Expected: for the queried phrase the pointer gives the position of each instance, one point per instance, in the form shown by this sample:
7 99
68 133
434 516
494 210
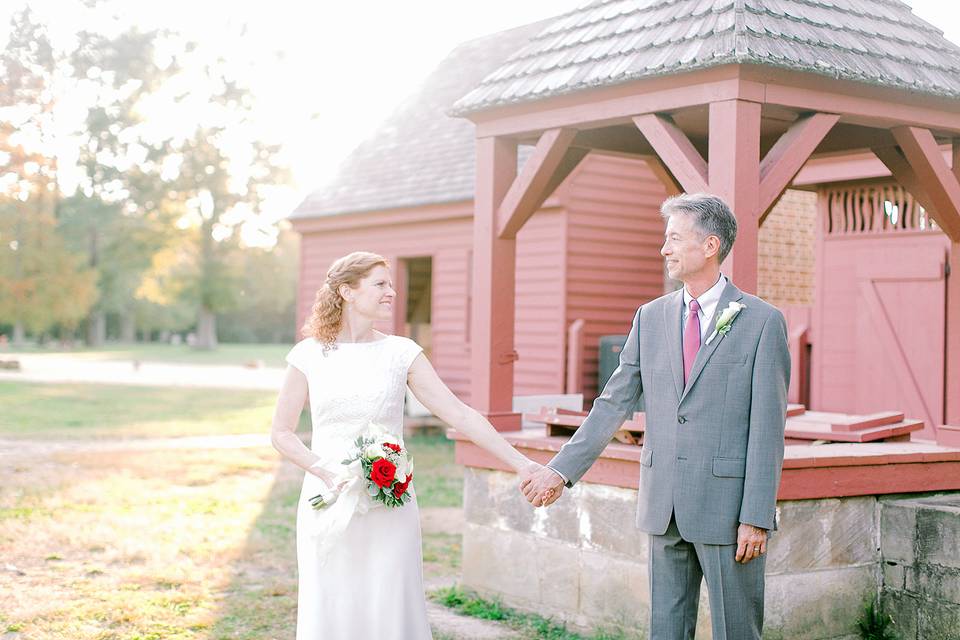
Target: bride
360 571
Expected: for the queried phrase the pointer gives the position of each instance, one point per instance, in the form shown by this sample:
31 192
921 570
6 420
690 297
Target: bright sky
326 73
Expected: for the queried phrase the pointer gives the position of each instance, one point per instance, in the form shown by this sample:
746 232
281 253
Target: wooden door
879 321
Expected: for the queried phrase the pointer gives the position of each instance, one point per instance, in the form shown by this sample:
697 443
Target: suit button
682 419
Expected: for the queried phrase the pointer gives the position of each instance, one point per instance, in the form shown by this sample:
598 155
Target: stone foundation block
796 607
938 621
902 607
823 534
898 527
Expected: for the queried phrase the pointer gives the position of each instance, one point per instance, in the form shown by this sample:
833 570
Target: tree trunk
96 328
128 328
206 330
19 335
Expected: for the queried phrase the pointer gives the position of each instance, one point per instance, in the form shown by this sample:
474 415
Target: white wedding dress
364 580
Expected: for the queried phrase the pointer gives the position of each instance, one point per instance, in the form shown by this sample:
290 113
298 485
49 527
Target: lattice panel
874 209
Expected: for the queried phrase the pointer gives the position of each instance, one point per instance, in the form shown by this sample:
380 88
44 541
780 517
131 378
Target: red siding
613 254
539 313
449 244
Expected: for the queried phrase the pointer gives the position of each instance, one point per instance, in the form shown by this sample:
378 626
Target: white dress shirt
708 304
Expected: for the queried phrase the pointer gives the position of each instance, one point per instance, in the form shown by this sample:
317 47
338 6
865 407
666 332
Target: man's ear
711 246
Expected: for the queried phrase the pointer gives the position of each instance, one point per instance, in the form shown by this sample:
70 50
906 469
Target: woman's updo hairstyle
325 320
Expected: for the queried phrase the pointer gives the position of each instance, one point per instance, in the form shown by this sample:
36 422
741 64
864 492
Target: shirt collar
709 297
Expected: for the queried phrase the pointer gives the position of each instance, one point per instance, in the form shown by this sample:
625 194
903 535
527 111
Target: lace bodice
353 385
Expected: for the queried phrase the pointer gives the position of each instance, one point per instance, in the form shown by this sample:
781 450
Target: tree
266 308
118 220
219 191
42 284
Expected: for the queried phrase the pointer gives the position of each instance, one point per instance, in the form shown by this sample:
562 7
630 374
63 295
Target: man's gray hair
711 216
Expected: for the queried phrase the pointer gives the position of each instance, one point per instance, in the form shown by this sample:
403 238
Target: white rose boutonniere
726 319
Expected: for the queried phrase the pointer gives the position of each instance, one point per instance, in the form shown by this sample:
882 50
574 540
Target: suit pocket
729 467
726 358
646 457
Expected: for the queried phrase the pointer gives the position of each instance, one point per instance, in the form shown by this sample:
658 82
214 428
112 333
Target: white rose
403 467
373 451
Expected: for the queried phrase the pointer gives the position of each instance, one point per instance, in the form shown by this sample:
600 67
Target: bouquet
385 468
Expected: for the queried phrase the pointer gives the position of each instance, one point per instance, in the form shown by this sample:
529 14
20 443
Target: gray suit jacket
712 450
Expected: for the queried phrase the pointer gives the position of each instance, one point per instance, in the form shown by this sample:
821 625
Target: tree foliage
151 234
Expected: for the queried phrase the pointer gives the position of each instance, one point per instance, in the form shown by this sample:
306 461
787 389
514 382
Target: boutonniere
725 321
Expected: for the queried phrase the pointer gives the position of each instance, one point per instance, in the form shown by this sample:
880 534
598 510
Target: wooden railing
874 209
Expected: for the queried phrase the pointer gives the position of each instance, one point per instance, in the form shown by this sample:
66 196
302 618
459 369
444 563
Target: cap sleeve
301 354
408 352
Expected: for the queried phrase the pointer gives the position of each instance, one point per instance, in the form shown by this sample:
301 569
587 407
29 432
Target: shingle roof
606 42
419 154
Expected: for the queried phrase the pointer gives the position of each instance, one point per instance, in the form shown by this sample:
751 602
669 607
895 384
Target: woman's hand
330 479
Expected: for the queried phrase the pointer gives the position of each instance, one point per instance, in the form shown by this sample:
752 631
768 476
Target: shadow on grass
260 599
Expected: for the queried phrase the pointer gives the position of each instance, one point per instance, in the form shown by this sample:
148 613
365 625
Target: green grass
438 479
530 626
89 410
272 355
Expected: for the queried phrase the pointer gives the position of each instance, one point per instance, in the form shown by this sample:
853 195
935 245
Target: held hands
751 543
540 485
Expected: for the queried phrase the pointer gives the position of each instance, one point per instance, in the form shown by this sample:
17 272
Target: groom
715 410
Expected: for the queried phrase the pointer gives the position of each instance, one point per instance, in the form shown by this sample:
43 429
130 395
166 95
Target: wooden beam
942 187
903 173
494 285
788 155
617 104
735 177
529 189
623 139
675 150
668 180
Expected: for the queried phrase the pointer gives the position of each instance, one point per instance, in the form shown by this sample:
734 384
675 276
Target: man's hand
541 486
751 542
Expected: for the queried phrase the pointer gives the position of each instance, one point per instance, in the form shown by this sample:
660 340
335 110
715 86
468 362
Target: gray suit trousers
675 571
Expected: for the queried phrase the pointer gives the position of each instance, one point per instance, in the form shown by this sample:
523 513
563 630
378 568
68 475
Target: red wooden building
616 107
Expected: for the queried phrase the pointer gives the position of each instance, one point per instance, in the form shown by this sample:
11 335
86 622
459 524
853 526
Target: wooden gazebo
731 97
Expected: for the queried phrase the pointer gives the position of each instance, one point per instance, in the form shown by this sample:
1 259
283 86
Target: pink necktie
691 339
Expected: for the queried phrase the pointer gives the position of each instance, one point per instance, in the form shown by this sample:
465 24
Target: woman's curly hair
326 317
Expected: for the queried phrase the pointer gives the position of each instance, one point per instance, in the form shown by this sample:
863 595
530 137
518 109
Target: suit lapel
672 316
730 294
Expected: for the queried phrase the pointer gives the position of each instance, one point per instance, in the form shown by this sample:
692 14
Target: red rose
383 472
401 487
393 447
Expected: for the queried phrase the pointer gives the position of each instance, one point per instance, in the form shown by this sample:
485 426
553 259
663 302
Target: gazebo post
494 280
734 175
952 381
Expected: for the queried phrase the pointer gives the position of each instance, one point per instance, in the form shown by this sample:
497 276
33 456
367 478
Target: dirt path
46 368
